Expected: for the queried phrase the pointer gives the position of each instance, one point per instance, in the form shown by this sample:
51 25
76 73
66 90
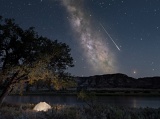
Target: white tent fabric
42 106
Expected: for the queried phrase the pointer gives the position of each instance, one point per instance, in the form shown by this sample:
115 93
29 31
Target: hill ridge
118 80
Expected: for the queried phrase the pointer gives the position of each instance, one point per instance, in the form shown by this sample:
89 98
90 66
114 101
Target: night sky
105 36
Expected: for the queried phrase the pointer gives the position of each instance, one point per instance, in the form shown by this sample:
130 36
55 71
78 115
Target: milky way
93 43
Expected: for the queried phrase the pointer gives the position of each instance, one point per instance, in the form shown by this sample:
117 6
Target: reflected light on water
130 101
134 103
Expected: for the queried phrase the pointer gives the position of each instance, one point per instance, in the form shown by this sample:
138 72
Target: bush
74 112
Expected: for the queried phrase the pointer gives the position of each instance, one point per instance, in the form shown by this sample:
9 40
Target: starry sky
105 36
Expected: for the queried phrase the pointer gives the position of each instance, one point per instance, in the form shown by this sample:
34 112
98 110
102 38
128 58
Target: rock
42 106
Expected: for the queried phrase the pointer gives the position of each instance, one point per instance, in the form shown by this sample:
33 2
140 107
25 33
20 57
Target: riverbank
100 92
22 111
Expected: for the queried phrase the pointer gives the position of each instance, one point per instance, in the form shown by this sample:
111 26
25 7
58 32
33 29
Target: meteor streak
110 37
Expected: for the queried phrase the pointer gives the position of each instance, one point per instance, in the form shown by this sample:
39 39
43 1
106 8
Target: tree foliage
26 55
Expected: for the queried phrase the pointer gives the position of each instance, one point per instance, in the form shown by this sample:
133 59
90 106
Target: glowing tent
42 106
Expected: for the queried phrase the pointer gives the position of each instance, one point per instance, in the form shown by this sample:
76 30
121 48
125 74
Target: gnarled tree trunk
7 88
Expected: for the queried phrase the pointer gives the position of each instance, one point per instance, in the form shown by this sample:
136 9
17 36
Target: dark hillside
118 81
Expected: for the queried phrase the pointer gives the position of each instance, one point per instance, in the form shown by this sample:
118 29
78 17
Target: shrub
74 112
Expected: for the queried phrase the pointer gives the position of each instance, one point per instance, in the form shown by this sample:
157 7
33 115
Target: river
129 101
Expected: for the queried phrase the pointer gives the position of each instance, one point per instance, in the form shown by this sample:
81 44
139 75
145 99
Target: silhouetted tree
26 56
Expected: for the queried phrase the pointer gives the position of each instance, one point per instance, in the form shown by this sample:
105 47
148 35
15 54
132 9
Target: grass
25 111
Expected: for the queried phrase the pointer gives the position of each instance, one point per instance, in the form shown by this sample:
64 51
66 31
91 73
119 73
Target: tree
26 56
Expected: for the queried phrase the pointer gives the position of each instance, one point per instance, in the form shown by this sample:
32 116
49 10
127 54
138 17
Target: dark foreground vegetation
73 112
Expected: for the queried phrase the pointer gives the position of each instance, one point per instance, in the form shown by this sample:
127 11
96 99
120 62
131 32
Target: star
135 28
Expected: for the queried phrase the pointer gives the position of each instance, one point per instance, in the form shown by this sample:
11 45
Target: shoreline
137 92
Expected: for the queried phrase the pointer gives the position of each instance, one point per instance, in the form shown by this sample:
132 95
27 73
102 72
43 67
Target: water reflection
131 101
134 103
